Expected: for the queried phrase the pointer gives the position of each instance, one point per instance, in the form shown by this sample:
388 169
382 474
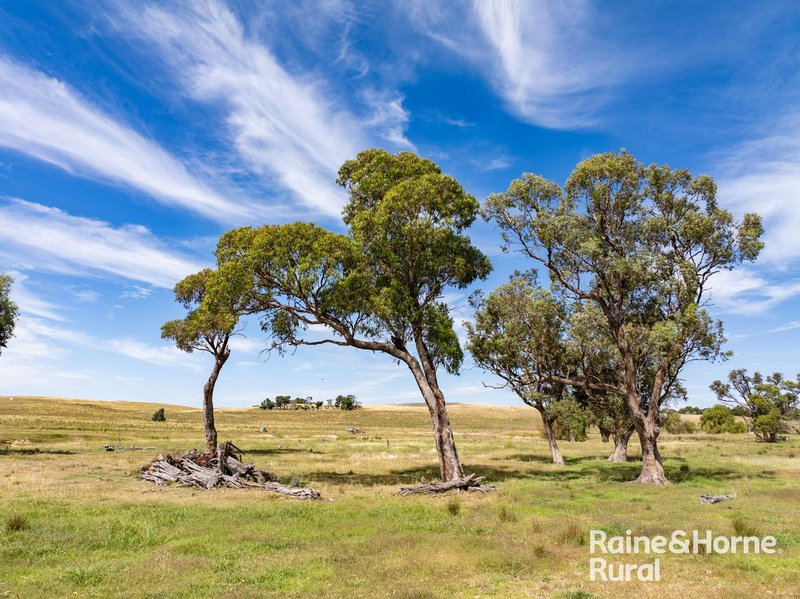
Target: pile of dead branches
224 468
468 483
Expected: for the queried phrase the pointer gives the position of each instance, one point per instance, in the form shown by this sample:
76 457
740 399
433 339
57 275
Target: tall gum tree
377 288
641 243
210 323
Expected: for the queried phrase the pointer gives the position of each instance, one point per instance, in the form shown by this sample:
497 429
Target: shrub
267 404
16 522
453 506
675 425
720 419
571 420
159 415
769 426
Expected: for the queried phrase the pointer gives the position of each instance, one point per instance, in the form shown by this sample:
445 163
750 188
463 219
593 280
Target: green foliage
571 420
766 403
638 244
267 404
159 415
720 419
382 283
8 311
346 402
209 322
693 410
672 422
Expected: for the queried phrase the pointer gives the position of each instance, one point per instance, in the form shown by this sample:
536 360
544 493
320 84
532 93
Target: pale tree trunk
208 401
551 439
652 468
449 464
620 453
646 424
425 376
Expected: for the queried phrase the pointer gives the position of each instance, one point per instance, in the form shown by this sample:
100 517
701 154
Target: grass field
75 521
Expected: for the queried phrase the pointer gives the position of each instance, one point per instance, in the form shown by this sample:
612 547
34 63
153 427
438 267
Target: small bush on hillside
159 415
267 404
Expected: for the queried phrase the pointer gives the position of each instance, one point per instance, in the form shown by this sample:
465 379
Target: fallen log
468 483
704 499
223 468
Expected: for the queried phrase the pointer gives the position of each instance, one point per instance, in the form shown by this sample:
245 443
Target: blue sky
132 134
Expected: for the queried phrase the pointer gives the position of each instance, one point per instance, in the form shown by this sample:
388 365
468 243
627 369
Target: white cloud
136 292
543 58
282 125
49 239
746 291
30 334
30 303
44 118
763 176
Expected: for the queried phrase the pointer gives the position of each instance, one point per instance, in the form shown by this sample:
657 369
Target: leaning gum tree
380 286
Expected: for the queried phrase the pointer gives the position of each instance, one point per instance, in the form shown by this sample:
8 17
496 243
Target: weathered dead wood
468 483
222 468
715 498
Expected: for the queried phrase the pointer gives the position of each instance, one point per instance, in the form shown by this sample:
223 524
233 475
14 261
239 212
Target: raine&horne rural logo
602 569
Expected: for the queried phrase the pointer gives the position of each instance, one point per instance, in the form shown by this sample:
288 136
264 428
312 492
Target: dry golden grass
92 529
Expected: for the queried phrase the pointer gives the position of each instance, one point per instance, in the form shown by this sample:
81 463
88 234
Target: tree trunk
652 469
551 440
646 423
620 453
449 464
208 402
424 372
605 435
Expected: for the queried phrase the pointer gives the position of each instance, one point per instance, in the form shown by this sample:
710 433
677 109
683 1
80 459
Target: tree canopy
379 287
766 403
8 311
641 244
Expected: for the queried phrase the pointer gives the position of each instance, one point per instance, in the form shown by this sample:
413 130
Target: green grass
78 522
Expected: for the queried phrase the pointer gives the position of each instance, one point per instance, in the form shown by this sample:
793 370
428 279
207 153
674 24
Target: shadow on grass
546 459
628 471
582 468
273 451
34 451
411 476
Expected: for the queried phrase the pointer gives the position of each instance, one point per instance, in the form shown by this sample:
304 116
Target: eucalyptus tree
640 244
767 403
517 336
8 311
208 326
380 286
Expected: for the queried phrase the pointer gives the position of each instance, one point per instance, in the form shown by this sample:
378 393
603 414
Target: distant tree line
285 402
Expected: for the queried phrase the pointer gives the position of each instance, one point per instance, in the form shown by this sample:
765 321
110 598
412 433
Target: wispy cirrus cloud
763 175
541 57
286 127
46 119
49 239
